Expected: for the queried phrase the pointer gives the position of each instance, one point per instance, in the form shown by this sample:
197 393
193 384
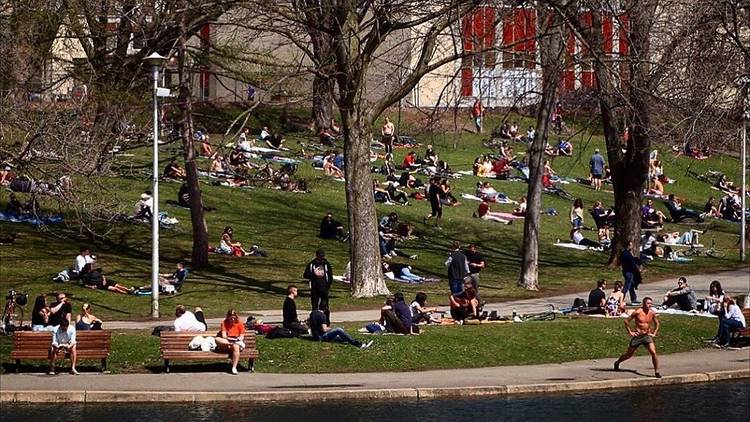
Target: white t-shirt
81 262
577 237
188 322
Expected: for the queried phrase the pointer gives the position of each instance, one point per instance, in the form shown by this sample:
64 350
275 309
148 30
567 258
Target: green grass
285 224
442 347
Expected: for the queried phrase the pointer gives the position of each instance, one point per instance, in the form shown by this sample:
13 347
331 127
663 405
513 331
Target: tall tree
552 47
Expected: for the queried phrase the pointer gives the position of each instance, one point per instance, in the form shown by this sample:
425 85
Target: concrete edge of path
358 394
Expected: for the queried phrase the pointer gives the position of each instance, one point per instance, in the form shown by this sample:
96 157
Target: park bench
35 345
174 346
738 333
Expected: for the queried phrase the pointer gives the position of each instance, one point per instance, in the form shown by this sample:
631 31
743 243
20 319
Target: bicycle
13 312
540 316
712 252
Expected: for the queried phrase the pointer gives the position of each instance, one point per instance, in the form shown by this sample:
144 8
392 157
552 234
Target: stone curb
359 394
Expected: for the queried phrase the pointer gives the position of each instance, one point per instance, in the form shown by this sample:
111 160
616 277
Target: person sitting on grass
190 322
397 195
733 318
143 209
420 312
174 171
655 187
713 302
228 246
396 315
615 305
289 311
63 342
321 331
485 191
86 320
329 168
332 229
682 295
679 213
380 195
711 209
94 279
597 299
410 161
564 148
400 272
231 338
464 305
176 278
520 210
650 216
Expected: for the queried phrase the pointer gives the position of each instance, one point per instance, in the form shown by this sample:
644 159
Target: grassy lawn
286 224
442 347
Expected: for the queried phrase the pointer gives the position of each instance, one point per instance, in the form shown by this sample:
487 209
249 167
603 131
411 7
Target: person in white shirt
733 318
188 321
63 341
83 258
264 134
143 207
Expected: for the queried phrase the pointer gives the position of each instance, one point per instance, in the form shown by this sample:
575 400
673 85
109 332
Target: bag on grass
279 332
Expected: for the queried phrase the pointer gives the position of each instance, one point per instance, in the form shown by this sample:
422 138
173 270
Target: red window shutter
519 29
607 33
624 45
568 80
488 39
466 31
587 79
530 44
508 25
467 81
586 22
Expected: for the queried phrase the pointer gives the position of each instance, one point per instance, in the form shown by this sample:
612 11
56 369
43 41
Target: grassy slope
285 224
450 347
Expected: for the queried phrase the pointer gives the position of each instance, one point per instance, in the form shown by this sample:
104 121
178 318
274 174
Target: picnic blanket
499 199
31 219
693 313
570 245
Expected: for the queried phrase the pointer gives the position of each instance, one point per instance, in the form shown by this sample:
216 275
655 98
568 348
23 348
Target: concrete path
735 282
697 366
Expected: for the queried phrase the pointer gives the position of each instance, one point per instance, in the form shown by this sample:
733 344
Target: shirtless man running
642 335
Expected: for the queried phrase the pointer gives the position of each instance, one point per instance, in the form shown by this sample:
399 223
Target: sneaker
413 256
73 371
366 345
635 302
51 372
716 345
617 366
234 371
657 375
387 257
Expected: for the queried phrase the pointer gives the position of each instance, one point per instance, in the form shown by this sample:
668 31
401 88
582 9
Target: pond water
725 401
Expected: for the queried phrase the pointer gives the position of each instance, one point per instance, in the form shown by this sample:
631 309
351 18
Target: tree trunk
551 48
199 256
364 249
322 102
630 171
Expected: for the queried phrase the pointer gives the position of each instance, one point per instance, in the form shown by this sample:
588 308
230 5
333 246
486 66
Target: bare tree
551 45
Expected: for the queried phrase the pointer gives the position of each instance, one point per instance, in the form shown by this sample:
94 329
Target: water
725 401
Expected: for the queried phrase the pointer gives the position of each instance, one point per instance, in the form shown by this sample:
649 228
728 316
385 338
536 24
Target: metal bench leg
104 364
251 365
18 365
166 365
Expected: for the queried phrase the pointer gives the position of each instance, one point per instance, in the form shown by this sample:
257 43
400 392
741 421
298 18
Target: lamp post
743 82
155 60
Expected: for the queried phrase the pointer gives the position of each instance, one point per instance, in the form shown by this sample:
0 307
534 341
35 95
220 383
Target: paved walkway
697 366
735 281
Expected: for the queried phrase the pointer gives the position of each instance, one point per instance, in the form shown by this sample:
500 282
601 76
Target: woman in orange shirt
231 337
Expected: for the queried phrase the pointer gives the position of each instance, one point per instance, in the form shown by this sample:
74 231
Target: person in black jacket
332 229
631 272
291 320
320 275
458 268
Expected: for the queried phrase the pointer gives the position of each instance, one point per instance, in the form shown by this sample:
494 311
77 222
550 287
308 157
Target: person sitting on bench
63 341
190 322
682 295
231 338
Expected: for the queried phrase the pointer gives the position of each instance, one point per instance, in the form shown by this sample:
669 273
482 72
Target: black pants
200 318
318 298
437 209
682 302
388 142
393 323
296 328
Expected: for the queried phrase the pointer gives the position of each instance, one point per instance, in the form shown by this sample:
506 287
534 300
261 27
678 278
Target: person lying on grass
464 305
395 271
94 279
321 331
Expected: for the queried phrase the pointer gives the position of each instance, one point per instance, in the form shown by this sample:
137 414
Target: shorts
596 176
642 339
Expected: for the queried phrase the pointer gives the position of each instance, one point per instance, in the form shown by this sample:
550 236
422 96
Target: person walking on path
458 268
320 275
291 320
596 168
631 272
434 192
643 334
387 132
477 111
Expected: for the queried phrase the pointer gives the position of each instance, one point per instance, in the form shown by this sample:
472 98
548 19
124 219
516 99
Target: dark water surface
721 401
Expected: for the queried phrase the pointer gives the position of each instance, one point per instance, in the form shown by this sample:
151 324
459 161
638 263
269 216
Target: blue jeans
629 286
725 325
338 334
456 285
406 274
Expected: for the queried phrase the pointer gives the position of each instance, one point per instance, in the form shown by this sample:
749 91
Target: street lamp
744 83
155 60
